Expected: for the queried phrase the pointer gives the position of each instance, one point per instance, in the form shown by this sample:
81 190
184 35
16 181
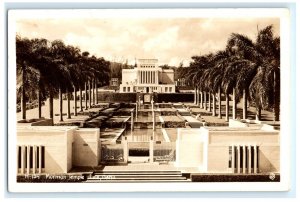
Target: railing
164 151
112 153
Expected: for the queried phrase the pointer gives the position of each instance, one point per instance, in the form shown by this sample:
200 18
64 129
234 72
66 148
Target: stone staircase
137 176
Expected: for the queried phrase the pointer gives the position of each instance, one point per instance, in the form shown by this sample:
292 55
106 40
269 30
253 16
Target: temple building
147 77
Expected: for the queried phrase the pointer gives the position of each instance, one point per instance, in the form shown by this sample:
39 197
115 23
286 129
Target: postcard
122 100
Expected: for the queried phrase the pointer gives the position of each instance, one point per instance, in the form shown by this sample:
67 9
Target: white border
152 187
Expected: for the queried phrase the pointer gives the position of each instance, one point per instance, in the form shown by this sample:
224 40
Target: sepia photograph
116 98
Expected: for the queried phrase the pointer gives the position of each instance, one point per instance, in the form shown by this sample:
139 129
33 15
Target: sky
170 40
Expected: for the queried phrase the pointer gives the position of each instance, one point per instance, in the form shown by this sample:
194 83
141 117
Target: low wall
85 147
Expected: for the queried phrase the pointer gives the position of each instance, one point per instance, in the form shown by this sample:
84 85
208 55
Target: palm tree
265 86
258 69
60 53
24 71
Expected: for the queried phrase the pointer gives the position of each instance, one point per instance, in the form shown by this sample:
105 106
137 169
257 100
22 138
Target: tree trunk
201 100
233 104
51 104
23 95
209 102
80 99
220 103
94 92
68 103
276 96
75 101
198 96
39 103
227 108
85 96
90 95
195 96
60 105
244 104
214 104
258 114
96 88
205 100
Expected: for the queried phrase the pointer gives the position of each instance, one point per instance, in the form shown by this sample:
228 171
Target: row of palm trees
247 70
49 69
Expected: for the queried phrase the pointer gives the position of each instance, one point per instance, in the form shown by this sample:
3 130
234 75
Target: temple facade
147 77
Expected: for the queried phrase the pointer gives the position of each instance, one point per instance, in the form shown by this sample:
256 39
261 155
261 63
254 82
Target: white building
147 77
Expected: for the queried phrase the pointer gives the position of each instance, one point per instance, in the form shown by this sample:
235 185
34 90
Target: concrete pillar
34 159
28 159
141 76
151 152
249 159
232 158
238 159
23 159
147 77
18 157
125 149
244 159
40 159
255 159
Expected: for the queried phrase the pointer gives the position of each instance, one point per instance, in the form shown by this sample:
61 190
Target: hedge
132 97
175 97
116 97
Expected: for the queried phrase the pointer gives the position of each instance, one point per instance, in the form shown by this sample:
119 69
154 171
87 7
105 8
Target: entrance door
147 90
